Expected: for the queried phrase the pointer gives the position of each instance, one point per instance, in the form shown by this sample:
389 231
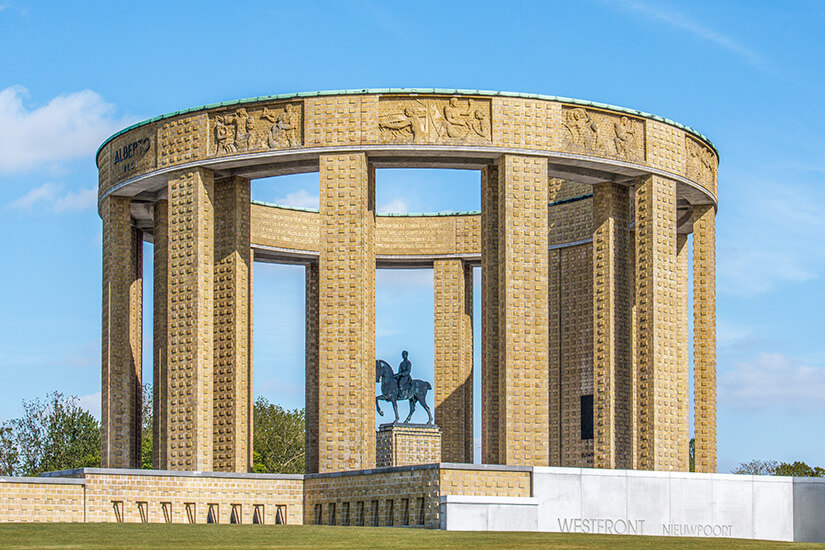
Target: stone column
190 323
346 397
683 357
121 396
453 334
232 374
522 310
490 383
704 336
160 379
612 359
656 312
311 386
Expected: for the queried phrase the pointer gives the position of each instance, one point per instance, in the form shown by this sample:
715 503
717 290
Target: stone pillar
704 336
490 383
311 386
522 310
453 311
612 359
346 398
656 311
683 357
232 371
160 379
121 396
190 324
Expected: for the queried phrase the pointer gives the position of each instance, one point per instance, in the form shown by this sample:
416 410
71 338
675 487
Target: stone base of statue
407 444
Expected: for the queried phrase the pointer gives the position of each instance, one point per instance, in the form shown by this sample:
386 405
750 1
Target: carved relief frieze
242 130
701 163
435 120
603 134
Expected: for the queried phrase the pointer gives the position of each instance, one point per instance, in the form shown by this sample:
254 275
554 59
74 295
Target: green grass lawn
158 537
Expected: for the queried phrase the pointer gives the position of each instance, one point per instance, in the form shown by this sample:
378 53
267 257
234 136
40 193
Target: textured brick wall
683 357
160 304
394 235
522 304
453 346
347 314
122 336
382 496
285 228
311 387
490 382
572 325
472 482
612 360
657 347
232 374
570 307
26 500
526 123
407 444
704 336
341 120
190 320
103 490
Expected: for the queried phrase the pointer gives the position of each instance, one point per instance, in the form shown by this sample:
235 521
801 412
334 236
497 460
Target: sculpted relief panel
244 130
434 120
603 134
701 162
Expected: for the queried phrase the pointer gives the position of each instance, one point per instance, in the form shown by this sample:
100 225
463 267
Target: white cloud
68 126
729 334
773 380
776 238
51 197
685 23
74 202
91 403
299 199
395 206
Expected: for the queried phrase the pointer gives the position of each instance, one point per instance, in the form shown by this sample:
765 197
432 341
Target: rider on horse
402 377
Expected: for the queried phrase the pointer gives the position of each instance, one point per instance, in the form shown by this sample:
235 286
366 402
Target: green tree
8 452
278 442
146 439
54 434
774 468
798 469
756 468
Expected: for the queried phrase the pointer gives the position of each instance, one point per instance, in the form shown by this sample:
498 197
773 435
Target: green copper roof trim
572 199
389 215
274 205
443 91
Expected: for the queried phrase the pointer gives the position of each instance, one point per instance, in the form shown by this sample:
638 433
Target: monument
582 240
587 212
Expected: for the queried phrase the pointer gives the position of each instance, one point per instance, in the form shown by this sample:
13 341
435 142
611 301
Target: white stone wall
651 503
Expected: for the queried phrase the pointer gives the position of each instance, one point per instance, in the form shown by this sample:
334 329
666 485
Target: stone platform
467 497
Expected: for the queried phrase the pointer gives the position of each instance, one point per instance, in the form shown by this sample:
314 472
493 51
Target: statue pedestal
407 444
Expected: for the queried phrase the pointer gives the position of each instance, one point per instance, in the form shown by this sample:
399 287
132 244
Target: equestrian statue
400 386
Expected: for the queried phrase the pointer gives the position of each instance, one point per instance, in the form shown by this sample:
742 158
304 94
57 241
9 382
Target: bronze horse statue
416 392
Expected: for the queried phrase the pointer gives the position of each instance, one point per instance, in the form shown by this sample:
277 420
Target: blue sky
747 74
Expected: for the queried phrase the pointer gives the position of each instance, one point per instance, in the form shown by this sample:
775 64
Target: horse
389 391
